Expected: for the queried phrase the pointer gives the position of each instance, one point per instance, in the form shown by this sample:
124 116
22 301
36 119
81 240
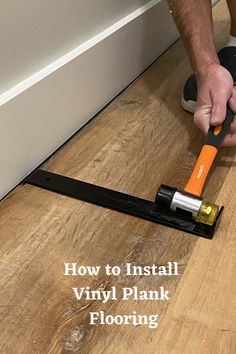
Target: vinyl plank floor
140 140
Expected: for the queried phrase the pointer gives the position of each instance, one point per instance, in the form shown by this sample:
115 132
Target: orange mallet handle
214 139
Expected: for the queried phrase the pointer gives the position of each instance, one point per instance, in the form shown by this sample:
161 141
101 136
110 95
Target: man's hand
215 84
215 89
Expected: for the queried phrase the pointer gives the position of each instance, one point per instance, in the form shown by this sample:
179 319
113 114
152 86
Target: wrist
209 67
202 53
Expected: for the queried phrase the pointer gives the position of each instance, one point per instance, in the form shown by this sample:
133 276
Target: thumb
202 117
218 113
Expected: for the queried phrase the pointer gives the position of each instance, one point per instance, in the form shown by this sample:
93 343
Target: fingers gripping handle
214 139
216 135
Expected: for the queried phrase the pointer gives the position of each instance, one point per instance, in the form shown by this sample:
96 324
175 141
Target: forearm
194 21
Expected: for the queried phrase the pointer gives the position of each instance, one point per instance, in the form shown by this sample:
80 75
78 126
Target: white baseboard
39 114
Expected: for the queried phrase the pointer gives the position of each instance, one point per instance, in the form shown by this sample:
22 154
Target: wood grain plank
202 316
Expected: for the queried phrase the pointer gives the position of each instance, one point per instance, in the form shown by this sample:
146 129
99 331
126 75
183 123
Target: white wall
34 33
63 61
